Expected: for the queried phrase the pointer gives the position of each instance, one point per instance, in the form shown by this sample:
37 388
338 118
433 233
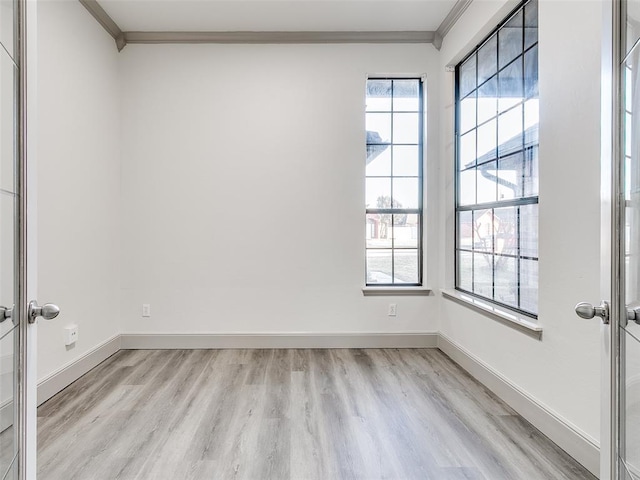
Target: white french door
18 314
625 429
13 329
620 445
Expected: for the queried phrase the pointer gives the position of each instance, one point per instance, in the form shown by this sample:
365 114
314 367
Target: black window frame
491 206
402 211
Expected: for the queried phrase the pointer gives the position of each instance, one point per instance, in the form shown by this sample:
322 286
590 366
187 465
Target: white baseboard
142 341
571 439
66 375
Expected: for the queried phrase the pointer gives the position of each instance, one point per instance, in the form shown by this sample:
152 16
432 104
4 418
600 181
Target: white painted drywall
78 181
243 188
562 371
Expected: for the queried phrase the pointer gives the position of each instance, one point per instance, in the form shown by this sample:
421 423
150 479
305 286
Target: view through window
394 116
497 165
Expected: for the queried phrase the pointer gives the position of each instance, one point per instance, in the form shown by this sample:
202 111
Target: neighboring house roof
513 145
375 146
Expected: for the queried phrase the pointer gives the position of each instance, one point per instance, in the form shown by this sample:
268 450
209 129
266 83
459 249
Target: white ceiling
270 15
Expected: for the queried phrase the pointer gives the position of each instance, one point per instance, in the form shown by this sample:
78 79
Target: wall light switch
146 310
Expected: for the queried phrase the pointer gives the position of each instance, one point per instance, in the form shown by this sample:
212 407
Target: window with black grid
394 128
497 165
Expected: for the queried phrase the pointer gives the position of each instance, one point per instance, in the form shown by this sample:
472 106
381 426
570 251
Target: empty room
319 240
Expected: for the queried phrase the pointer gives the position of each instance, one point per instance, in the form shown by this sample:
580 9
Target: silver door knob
5 313
586 310
633 312
48 311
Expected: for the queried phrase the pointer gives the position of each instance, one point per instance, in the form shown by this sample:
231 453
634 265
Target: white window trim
503 315
387 291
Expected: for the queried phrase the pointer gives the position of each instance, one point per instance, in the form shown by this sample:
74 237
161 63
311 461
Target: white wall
78 181
243 188
562 371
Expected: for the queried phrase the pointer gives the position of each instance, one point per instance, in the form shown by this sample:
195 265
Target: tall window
497 165
394 181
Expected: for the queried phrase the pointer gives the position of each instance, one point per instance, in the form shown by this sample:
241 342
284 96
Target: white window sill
503 315
370 291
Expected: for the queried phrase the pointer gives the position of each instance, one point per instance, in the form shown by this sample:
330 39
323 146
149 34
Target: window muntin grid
394 125
497 165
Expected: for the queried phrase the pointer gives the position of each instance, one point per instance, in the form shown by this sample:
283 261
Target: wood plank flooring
288 414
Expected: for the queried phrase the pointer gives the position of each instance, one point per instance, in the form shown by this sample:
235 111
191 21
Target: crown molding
266 37
103 18
279 37
450 20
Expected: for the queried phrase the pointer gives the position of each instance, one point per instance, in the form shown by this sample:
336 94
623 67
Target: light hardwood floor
288 414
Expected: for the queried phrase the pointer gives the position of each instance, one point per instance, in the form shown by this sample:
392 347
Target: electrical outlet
146 310
70 334
392 310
